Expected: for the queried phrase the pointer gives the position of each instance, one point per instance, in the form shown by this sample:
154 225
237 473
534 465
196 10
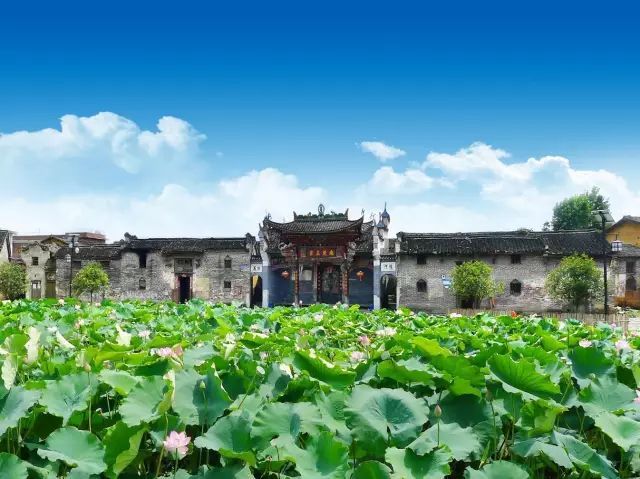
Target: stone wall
157 281
531 272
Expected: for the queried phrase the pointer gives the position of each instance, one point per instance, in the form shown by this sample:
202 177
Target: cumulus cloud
102 136
381 150
387 180
233 207
529 188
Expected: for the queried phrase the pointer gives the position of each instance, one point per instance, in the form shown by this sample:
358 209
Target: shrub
472 282
91 279
577 280
13 281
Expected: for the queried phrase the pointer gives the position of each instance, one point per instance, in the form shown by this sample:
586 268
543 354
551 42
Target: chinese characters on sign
387 267
323 252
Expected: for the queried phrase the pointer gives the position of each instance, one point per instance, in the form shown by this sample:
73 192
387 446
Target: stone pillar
266 280
376 283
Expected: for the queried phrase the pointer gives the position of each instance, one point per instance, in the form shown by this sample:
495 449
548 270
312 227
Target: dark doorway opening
388 292
256 291
184 288
330 283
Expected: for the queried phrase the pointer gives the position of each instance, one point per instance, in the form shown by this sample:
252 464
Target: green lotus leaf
607 396
326 372
406 372
539 417
588 361
583 456
462 442
196 404
332 412
429 347
623 431
381 417
11 467
231 437
285 419
323 458
146 402
371 470
78 449
466 411
407 464
14 406
121 381
498 470
536 447
122 444
521 377
69 394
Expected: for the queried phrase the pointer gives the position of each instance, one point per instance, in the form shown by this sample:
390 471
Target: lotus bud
437 411
488 396
592 376
87 368
202 385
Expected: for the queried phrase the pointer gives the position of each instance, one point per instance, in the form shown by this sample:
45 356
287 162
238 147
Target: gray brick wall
531 272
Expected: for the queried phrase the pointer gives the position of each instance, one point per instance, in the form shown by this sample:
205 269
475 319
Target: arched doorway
388 292
256 290
631 284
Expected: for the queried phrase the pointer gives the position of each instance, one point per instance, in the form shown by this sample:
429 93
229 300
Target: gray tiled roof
320 225
504 242
195 245
93 252
628 251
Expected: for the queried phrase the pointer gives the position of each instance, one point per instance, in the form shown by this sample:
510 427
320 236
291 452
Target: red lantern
360 275
285 274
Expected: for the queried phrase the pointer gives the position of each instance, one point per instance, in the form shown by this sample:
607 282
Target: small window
421 286
494 260
227 263
421 259
631 267
142 283
459 263
35 260
76 265
516 259
105 264
515 287
142 259
227 285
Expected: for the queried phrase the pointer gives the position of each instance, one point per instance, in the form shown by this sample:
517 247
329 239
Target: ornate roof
320 223
504 242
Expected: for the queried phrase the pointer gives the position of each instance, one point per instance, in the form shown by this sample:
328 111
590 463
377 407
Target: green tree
90 279
576 281
472 282
576 212
13 281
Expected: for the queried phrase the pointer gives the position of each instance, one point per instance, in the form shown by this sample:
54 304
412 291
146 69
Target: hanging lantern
360 275
285 274
616 246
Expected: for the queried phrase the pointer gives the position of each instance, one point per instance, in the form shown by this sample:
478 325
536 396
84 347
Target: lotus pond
145 390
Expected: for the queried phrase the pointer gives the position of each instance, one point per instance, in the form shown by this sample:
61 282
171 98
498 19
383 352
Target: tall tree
576 212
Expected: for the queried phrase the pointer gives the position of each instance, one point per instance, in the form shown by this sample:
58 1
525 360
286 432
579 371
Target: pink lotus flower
637 398
621 344
364 340
585 343
357 356
167 352
144 334
177 443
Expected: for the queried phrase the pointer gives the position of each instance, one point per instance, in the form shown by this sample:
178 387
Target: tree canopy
472 282
576 281
576 212
13 281
90 279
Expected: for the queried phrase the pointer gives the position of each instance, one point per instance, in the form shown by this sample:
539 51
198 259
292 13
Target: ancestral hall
326 257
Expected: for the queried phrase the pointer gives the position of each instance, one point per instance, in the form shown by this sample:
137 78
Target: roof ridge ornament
321 209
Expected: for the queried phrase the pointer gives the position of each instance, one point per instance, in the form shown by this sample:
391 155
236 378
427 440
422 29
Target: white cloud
102 136
381 150
387 180
234 207
529 189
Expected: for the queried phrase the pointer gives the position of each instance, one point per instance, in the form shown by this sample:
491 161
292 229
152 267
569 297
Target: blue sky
286 92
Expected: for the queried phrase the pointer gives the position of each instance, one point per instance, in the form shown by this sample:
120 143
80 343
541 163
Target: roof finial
321 209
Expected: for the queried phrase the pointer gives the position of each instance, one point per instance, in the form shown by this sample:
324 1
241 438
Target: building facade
627 230
326 258
520 260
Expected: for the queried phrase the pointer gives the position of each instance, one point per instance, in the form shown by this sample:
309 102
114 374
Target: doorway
184 288
330 283
388 292
256 291
36 289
